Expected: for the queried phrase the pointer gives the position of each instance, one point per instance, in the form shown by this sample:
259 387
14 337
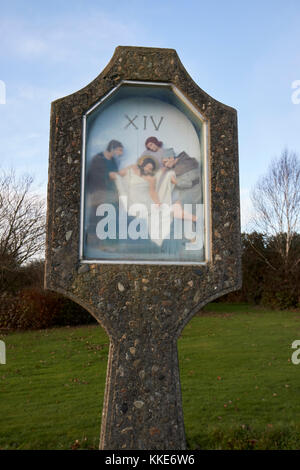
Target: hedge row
35 308
268 279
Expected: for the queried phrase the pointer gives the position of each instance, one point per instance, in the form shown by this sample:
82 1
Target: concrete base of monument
142 405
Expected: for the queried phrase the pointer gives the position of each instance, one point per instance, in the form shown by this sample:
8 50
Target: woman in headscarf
154 148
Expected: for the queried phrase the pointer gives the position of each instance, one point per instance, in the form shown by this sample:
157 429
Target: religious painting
143 182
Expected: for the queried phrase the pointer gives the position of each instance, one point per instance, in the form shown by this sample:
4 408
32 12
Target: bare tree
22 221
276 200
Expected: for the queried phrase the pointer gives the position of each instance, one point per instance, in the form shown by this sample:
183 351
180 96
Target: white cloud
31 47
69 38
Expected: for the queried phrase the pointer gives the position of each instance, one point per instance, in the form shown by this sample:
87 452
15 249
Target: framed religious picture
143 227
144 178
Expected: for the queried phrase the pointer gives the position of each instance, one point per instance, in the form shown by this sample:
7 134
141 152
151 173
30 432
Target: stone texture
142 307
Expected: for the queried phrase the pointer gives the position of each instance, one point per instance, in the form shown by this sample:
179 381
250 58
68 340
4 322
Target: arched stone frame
144 307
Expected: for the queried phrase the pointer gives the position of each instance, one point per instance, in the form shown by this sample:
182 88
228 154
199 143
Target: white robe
134 194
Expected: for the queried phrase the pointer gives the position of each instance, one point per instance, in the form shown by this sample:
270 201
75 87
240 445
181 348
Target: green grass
239 387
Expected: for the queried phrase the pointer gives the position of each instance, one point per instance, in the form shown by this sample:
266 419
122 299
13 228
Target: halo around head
153 159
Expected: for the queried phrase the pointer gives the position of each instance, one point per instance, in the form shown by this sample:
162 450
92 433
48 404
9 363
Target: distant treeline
269 279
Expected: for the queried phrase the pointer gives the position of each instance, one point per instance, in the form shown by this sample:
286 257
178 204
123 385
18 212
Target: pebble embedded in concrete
68 235
121 287
138 404
84 268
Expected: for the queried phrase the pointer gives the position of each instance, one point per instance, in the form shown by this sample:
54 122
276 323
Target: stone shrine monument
143 227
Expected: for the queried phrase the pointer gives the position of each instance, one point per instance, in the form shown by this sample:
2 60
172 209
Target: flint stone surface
143 308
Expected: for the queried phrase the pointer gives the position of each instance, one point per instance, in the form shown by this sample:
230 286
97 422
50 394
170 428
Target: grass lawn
240 389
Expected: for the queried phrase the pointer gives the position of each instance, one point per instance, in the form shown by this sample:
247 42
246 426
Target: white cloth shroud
134 189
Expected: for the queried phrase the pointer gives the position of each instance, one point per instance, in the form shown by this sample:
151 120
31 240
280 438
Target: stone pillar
142 304
142 405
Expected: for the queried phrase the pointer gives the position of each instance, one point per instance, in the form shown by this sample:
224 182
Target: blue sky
245 54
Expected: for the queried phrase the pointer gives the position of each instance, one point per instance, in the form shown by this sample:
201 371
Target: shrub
35 308
266 280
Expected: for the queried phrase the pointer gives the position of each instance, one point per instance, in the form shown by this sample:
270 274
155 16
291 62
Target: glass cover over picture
144 178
